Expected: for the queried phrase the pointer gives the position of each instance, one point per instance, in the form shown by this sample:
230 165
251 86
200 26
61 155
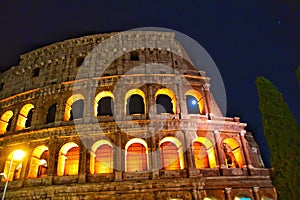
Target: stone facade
88 116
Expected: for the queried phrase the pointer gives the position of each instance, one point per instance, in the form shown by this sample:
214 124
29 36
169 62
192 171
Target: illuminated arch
171 153
98 97
23 118
232 148
16 166
209 151
136 158
134 92
169 93
101 159
39 162
69 104
68 159
5 121
200 100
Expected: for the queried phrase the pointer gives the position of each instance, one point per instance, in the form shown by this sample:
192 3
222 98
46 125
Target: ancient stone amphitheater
121 116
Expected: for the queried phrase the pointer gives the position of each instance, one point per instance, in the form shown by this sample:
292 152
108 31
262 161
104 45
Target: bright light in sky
194 102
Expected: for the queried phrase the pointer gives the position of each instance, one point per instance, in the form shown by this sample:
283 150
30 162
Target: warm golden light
209 149
171 153
199 98
235 151
169 93
132 92
18 155
69 103
22 117
99 97
4 121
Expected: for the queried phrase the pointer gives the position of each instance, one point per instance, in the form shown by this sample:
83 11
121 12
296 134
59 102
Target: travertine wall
149 67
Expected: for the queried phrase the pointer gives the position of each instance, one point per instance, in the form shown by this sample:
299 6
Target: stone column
180 98
245 149
219 148
228 193
155 157
189 155
89 101
52 161
207 98
151 101
256 193
82 165
118 158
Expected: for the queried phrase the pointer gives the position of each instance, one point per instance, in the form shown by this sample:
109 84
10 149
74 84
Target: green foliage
283 137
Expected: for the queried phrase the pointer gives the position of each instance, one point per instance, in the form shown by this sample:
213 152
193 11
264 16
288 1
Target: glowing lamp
18 155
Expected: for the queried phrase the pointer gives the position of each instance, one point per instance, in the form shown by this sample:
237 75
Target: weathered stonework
57 75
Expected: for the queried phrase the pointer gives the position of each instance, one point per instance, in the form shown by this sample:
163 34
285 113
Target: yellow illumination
69 103
61 166
14 160
199 98
132 92
169 93
35 160
18 155
4 121
210 150
138 163
22 117
100 96
106 163
236 150
179 147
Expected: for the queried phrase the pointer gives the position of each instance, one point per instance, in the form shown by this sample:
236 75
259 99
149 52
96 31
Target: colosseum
121 116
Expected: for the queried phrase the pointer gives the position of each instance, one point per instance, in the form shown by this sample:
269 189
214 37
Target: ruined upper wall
60 61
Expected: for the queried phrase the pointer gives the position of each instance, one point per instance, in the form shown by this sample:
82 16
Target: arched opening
25 117
171 154
77 110
104 104
68 160
5 121
136 155
134 102
39 162
204 154
195 102
29 118
51 113
165 101
43 165
233 154
74 107
135 105
201 156
13 165
101 159
105 107
192 105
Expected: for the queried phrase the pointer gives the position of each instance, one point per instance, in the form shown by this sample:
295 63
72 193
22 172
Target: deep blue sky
245 39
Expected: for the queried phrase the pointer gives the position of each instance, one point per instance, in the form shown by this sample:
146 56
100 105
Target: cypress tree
283 137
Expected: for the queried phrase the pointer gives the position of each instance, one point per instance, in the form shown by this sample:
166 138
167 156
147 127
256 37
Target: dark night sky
245 40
